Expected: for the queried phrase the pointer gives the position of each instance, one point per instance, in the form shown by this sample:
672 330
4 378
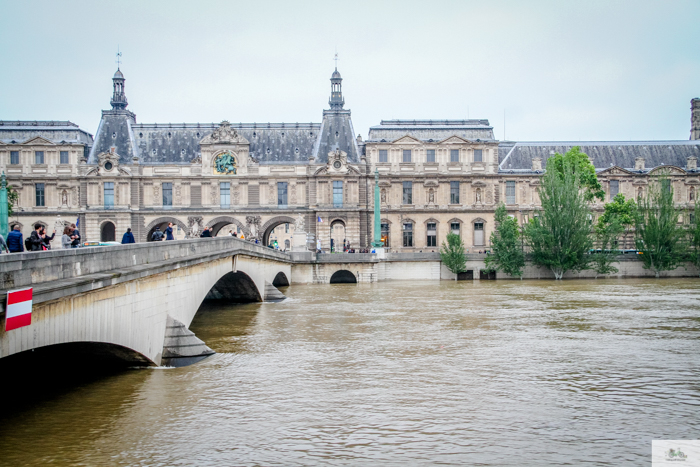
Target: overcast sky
561 70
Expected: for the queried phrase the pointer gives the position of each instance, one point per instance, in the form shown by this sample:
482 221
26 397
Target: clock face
337 165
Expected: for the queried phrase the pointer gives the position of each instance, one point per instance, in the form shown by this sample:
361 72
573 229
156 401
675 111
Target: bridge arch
280 280
162 222
343 276
271 224
235 287
219 222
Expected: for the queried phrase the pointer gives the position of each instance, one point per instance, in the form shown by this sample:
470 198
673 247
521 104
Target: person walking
128 237
157 235
65 238
35 238
206 233
169 232
75 235
15 242
46 240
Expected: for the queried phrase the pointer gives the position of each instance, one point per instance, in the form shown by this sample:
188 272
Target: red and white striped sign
19 309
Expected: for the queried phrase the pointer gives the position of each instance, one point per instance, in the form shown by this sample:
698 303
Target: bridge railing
29 268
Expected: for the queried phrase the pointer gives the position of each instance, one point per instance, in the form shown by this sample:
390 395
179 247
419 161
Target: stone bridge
137 301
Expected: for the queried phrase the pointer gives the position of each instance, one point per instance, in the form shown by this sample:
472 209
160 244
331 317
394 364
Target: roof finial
119 56
336 59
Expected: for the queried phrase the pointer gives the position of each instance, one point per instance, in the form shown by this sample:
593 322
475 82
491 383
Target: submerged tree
622 211
694 236
452 254
507 254
606 234
560 236
658 236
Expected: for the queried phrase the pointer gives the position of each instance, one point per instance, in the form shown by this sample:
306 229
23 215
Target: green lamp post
4 211
377 243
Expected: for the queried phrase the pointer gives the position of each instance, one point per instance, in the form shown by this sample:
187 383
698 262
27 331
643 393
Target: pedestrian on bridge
128 237
15 242
65 238
35 238
75 235
157 235
169 232
206 233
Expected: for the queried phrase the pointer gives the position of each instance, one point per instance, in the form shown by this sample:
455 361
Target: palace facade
265 180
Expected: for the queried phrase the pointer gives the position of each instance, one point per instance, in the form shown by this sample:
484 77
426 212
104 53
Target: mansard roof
435 130
56 131
517 156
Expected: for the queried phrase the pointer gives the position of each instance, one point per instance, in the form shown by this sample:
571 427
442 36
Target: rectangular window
286 227
38 157
109 195
383 155
666 185
454 192
430 155
478 234
407 192
408 234
14 157
510 192
454 155
39 191
614 188
407 155
63 157
281 193
454 228
478 155
338 194
167 194
432 234
385 234
225 194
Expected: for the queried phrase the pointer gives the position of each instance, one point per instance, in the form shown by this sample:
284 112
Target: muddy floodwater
500 373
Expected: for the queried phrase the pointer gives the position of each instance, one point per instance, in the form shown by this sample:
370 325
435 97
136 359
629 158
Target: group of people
157 234
39 239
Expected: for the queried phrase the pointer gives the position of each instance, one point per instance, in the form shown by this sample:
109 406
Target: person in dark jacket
128 237
169 232
46 240
15 241
206 233
35 237
157 235
75 236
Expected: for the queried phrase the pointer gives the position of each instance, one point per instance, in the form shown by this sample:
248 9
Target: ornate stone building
436 176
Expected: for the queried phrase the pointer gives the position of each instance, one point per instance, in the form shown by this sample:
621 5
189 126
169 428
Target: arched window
107 232
287 245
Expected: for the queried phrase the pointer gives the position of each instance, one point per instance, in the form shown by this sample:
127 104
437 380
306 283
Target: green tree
12 199
507 255
560 237
694 236
658 236
606 234
621 211
452 254
578 162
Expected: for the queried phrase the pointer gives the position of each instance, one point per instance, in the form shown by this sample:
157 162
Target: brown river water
500 373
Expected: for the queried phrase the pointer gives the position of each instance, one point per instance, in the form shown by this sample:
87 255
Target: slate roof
517 156
436 130
115 131
336 132
57 131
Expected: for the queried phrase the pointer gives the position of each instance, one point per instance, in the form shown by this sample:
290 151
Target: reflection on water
399 373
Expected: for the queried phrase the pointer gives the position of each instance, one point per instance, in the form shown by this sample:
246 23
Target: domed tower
118 98
336 101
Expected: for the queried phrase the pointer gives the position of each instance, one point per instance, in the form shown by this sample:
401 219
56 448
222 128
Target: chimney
692 163
695 119
639 163
536 164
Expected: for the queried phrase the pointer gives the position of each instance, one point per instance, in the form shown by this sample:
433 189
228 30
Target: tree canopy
507 253
578 162
452 254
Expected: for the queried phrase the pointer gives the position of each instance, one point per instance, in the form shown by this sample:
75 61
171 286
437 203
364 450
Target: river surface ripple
399 373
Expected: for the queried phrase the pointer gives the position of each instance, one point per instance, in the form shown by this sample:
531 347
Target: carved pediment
479 183
615 170
455 140
692 181
39 140
107 163
337 162
430 183
667 170
407 140
224 134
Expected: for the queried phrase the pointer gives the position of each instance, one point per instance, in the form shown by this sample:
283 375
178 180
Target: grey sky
562 70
